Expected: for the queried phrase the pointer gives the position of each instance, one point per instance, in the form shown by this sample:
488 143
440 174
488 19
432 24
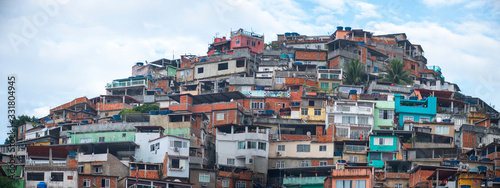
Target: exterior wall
97 180
70 179
211 69
353 174
417 111
112 136
194 178
310 114
393 147
227 147
420 176
383 105
291 149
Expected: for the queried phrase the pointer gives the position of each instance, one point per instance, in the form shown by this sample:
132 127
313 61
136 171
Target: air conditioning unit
176 149
340 166
278 153
204 184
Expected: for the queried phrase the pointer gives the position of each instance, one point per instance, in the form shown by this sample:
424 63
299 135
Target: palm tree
354 73
396 73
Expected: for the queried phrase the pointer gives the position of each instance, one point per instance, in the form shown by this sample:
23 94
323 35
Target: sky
62 50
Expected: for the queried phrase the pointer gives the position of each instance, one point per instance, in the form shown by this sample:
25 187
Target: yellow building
473 179
313 114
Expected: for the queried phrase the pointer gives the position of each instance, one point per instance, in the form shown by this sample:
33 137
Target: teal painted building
382 148
304 182
414 110
171 71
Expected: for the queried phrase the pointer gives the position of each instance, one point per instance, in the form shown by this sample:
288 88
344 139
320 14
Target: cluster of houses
250 114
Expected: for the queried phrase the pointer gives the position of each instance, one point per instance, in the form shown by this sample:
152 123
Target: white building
171 151
239 146
351 119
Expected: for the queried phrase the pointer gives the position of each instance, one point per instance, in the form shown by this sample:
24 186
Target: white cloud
437 3
367 10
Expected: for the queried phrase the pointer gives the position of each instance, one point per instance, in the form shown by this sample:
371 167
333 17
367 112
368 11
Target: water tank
288 34
269 111
203 60
348 28
117 117
41 185
139 63
340 28
154 112
353 91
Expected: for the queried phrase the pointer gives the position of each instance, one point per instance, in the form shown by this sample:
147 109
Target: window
250 160
323 163
98 169
253 43
317 112
281 147
124 135
240 63
241 145
101 139
360 184
222 66
257 105
80 169
311 103
200 70
363 120
178 163
442 130
248 42
104 182
385 114
251 145
279 80
225 183
219 116
341 61
322 148
354 148
398 185
383 141
86 183
343 184
262 146
280 164
204 177
259 43
230 161
335 85
425 119
408 118
56 176
304 111
304 163
241 184
349 119
342 132
177 144
237 41
324 85
353 159
303 148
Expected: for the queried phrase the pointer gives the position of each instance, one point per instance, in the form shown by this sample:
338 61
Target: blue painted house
414 110
382 148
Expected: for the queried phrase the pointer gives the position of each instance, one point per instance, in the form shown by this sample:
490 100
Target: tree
354 73
396 73
145 108
15 123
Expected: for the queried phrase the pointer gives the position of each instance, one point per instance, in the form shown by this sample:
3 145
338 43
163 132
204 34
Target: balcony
45 163
351 173
304 180
263 93
126 83
350 110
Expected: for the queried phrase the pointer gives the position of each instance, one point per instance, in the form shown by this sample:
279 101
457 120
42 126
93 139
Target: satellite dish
308 133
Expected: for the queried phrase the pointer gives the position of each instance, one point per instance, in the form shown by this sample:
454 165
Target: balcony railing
126 83
304 180
352 125
266 93
45 163
350 109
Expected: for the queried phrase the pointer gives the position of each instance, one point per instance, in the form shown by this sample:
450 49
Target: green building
383 117
112 132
